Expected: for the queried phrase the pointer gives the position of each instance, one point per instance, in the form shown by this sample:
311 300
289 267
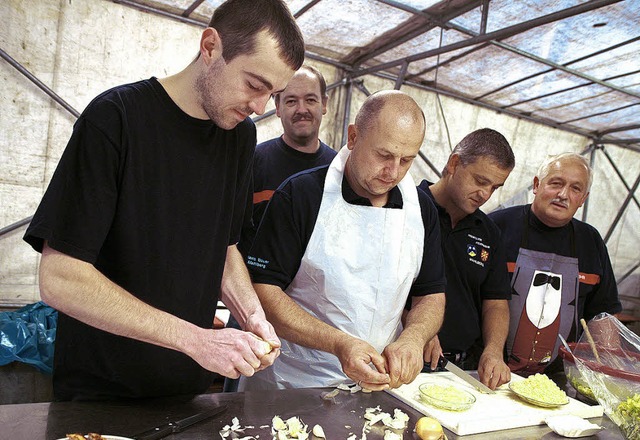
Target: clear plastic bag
608 358
28 334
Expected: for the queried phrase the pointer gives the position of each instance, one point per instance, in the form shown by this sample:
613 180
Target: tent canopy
569 64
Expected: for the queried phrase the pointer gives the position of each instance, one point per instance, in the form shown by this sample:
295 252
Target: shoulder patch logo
471 250
484 255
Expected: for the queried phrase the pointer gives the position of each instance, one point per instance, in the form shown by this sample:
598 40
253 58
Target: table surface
340 417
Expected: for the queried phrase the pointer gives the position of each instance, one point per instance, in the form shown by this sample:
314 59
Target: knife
177 426
450 366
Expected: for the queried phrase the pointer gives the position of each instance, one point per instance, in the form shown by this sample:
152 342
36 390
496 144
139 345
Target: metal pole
15 226
484 18
347 114
430 164
622 208
39 83
622 278
401 75
592 161
496 35
620 176
305 8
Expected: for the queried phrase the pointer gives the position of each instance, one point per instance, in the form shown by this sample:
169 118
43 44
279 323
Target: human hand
432 352
264 331
356 357
228 351
492 370
404 361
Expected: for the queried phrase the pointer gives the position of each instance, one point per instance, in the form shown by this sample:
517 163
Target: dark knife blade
177 426
449 366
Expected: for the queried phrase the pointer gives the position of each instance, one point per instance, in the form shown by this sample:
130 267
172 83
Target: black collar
349 196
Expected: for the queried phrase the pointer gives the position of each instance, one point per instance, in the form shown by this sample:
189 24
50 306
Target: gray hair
543 170
484 143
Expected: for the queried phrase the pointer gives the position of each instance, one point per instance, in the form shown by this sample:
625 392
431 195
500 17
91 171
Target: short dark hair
315 72
239 21
484 143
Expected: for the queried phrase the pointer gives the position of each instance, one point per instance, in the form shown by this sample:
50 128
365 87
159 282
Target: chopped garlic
330 395
318 431
390 435
295 426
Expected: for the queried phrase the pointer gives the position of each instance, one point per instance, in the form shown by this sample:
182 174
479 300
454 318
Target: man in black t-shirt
476 319
339 251
559 266
300 107
139 225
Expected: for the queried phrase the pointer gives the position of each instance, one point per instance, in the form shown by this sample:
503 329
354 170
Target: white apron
355 275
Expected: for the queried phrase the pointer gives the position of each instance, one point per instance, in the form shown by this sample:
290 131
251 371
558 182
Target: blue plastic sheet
28 334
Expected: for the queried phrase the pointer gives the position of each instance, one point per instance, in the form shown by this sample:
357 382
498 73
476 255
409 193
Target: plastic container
621 382
447 397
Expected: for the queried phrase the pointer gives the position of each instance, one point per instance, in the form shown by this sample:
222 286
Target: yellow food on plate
539 390
447 397
89 436
429 428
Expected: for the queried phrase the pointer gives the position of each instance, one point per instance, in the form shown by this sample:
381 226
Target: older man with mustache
559 266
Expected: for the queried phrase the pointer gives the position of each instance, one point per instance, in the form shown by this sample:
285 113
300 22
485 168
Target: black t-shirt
476 270
152 198
273 162
597 287
290 218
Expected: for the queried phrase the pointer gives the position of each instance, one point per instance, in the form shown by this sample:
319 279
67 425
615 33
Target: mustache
560 202
302 117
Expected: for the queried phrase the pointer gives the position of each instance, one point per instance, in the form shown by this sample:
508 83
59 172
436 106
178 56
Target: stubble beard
207 88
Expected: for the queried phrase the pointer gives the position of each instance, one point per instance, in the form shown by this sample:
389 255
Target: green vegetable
629 411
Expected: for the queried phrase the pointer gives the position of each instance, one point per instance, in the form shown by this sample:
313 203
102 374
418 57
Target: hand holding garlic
357 357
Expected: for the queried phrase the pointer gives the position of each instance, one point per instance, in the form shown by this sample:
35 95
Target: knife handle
155 433
442 362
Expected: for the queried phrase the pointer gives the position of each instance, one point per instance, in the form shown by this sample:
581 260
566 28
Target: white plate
572 426
107 437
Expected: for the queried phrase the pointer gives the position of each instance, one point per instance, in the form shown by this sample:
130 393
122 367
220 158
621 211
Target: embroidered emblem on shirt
471 250
484 255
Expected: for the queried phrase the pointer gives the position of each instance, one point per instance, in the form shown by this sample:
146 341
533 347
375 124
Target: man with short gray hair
559 266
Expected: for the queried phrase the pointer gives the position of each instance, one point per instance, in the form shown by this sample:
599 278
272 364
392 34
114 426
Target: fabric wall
81 48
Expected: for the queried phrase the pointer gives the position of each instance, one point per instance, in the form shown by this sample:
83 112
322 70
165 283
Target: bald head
386 137
390 107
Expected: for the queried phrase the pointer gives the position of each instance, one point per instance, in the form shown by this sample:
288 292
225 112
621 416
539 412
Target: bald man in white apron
358 267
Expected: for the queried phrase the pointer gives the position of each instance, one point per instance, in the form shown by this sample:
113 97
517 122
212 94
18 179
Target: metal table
339 417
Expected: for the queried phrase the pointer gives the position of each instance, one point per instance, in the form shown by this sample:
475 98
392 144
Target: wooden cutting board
491 412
